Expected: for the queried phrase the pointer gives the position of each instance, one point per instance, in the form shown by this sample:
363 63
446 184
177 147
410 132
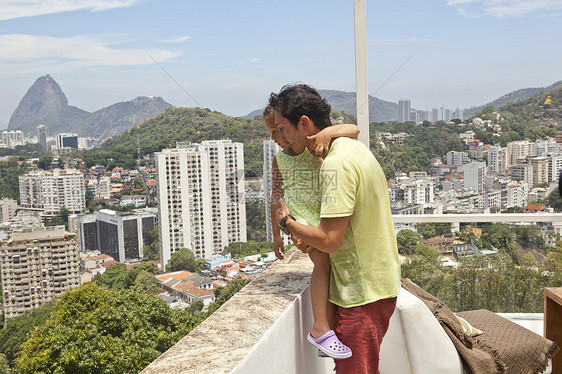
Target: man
356 229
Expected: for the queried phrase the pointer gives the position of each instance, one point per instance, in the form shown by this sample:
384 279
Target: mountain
379 110
511 97
44 97
118 118
183 124
46 104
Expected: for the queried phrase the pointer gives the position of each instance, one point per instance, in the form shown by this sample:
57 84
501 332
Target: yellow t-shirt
366 267
301 185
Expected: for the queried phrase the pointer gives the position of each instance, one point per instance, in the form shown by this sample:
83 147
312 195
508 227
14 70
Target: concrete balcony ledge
260 329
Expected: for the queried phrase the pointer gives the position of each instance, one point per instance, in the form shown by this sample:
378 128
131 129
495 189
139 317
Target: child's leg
322 310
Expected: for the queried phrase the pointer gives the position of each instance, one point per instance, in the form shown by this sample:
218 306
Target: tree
146 267
97 330
145 282
114 277
16 330
407 240
183 259
4 365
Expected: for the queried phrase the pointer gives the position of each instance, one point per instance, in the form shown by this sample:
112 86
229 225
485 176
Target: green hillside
183 124
534 118
513 97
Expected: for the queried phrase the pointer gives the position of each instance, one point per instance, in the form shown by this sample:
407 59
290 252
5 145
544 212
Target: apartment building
37 266
48 191
200 197
518 150
11 139
522 173
540 170
516 195
497 160
457 158
120 235
270 148
8 209
475 176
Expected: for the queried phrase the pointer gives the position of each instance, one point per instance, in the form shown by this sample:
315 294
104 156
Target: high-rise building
201 197
67 141
270 148
12 138
42 136
540 170
120 235
403 110
448 114
49 191
545 147
459 114
475 176
457 158
518 150
8 209
522 173
554 166
37 266
497 159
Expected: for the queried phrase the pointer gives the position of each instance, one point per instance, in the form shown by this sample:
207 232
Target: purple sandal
330 345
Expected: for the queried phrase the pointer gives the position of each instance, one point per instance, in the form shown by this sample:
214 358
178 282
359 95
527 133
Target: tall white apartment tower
497 159
475 176
200 197
270 148
403 110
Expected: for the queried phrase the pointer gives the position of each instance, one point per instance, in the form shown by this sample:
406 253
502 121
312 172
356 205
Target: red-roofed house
533 208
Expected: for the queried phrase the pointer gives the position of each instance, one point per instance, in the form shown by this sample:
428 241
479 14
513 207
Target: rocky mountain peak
42 98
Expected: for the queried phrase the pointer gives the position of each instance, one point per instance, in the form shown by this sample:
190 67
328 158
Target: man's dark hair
299 100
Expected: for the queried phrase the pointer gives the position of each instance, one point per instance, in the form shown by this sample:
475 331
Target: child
296 180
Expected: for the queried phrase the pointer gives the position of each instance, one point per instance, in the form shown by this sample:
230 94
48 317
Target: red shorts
362 328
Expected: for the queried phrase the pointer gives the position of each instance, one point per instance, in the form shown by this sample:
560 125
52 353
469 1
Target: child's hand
321 143
278 247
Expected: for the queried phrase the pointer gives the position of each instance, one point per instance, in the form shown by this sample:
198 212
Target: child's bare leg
323 311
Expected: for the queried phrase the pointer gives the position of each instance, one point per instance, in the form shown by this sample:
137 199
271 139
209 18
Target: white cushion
415 343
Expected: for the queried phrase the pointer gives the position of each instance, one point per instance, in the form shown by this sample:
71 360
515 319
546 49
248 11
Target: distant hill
118 118
184 124
511 97
379 110
46 104
543 109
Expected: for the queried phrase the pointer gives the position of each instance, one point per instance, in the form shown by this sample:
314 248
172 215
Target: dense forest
112 325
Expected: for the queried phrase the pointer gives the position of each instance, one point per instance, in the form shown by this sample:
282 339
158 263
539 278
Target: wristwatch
283 222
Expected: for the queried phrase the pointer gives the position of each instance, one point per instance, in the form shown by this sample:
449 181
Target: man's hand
304 248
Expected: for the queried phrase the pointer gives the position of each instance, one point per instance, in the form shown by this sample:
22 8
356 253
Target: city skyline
229 57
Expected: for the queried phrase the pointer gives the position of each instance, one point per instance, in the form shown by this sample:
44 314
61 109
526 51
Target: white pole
361 80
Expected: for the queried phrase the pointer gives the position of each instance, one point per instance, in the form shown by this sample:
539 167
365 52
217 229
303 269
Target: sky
230 55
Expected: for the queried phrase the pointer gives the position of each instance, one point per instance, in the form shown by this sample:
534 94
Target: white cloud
254 60
10 9
80 50
506 8
180 39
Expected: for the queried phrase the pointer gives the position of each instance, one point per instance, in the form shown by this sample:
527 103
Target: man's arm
328 237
